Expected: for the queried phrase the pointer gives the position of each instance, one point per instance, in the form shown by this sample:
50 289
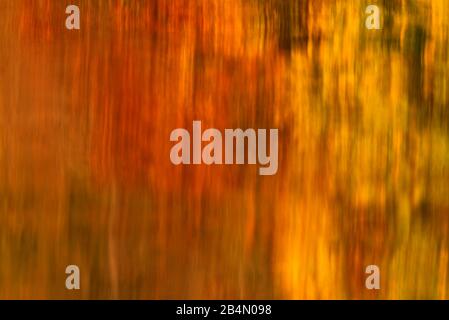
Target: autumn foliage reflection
86 179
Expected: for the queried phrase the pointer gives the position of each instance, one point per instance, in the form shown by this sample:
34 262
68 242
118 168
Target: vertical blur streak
85 175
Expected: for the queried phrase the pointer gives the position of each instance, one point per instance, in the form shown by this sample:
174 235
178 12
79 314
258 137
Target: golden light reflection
86 179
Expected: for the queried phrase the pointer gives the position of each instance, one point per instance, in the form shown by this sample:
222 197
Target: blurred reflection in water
86 179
